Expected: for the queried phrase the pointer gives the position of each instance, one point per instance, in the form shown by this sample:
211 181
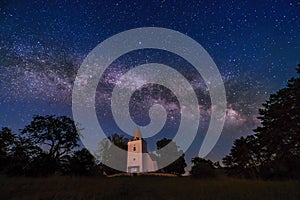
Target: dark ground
145 187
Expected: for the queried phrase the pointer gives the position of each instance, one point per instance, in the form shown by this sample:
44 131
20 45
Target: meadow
145 187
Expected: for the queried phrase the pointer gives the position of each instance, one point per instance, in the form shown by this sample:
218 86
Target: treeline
50 145
46 146
273 152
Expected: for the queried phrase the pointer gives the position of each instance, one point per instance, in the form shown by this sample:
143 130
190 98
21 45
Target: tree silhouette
82 163
274 150
243 160
7 140
57 136
110 154
24 155
202 168
165 153
279 135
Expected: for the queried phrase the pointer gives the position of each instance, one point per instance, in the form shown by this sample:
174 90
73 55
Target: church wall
134 158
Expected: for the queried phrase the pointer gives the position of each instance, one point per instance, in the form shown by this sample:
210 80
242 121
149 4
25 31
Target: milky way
255 46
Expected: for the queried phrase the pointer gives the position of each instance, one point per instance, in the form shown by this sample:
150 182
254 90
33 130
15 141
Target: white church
138 159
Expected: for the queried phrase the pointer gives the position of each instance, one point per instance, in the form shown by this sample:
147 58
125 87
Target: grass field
145 187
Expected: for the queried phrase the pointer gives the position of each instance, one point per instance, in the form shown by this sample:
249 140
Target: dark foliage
7 140
23 155
202 168
58 134
82 163
243 160
108 153
274 150
166 153
56 137
44 147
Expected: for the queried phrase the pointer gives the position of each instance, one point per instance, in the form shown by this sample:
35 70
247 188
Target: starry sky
255 44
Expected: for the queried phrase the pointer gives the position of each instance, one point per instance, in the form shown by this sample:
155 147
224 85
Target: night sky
255 44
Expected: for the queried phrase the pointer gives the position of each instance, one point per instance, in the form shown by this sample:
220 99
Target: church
138 159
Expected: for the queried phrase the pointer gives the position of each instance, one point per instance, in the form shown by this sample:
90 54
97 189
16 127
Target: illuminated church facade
138 159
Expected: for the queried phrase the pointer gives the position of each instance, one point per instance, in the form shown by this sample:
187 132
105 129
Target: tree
57 136
7 140
17 153
274 150
202 168
110 154
165 153
82 163
119 140
24 152
279 135
243 159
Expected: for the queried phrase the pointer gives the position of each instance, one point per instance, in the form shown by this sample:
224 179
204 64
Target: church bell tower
136 147
138 158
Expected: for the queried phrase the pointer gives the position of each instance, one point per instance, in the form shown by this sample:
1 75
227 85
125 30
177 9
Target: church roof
137 133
